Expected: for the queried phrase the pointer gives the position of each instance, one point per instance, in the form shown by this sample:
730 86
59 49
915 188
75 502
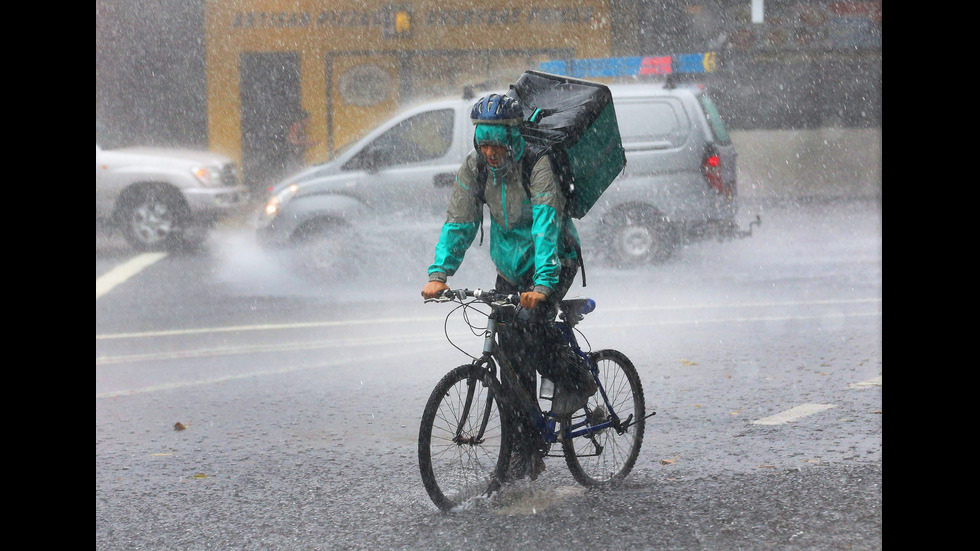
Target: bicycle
464 440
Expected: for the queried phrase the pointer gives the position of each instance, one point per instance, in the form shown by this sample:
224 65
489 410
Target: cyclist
530 254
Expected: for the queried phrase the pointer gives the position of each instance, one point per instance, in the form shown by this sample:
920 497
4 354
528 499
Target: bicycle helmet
497 109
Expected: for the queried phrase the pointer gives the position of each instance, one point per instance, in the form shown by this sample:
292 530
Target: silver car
679 182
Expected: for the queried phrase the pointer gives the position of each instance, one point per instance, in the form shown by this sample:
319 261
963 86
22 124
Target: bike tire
458 468
618 451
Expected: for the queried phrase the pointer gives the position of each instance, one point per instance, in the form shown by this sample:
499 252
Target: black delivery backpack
575 120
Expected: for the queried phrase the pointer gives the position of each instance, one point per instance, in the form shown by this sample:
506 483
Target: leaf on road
767 466
688 362
179 426
199 475
669 461
736 412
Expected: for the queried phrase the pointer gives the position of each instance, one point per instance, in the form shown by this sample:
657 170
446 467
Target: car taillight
712 171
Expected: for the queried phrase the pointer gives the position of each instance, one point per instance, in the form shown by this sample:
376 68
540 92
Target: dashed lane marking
124 271
792 414
865 384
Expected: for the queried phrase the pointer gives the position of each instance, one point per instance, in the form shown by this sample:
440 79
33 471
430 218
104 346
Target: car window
422 137
714 120
660 120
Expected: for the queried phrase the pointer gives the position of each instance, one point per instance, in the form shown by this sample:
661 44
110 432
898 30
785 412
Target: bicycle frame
614 422
545 423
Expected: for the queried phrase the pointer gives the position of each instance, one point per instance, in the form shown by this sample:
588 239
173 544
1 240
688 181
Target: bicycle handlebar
489 296
575 307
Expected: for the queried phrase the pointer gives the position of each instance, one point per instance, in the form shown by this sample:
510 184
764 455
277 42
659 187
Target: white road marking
375 321
263 327
259 348
792 414
741 305
248 375
865 384
124 271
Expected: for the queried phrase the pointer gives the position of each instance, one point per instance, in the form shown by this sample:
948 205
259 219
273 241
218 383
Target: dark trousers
532 343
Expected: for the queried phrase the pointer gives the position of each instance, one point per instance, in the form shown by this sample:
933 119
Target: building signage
435 17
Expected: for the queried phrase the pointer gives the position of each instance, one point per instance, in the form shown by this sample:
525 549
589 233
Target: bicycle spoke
460 440
607 455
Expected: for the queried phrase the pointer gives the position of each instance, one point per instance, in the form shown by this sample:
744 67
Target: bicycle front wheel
464 450
603 457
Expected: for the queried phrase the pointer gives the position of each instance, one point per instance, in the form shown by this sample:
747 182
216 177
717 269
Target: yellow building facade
353 64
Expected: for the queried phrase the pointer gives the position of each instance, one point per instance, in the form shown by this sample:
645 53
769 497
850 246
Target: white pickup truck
164 199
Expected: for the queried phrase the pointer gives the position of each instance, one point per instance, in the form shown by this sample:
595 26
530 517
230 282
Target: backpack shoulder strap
532 153
481 178
479 188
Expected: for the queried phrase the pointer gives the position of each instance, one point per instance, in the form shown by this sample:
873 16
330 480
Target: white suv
163 199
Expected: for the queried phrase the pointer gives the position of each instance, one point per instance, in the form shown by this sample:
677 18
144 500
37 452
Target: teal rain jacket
526 233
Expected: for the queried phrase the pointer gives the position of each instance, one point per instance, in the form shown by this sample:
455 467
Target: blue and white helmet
497 109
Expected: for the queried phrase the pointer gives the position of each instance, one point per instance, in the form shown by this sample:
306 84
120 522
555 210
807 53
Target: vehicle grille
229 175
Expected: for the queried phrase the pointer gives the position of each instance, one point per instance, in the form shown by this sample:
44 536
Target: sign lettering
436 17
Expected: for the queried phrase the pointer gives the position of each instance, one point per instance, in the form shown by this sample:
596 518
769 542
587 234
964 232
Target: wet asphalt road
300 377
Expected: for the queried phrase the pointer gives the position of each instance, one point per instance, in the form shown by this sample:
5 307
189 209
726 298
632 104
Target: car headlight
277 201
207 175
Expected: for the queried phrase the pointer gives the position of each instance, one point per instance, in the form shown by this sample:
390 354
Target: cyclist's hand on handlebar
432 289
531 299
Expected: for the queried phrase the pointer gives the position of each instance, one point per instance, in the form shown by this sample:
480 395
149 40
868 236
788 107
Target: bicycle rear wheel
464 450
608 455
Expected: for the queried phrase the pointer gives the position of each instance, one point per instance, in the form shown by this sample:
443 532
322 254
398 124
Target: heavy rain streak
272 181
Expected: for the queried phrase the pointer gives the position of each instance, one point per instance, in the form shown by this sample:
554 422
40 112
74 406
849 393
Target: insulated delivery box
575 118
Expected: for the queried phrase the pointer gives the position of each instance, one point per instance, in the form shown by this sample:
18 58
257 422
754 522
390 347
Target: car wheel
315 230
641 237
154 220
320 249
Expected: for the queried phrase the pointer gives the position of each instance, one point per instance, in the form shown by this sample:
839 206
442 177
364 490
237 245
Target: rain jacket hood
507 136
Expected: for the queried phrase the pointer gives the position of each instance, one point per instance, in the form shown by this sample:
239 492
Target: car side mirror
374 160
445 179
370 159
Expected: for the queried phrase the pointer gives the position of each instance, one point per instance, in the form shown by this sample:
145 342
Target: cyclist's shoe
525 465
536 465
527 458
520 462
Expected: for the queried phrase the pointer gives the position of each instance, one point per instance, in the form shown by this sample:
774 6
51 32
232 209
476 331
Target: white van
679 181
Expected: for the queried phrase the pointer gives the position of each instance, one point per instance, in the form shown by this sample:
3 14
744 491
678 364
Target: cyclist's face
494 153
